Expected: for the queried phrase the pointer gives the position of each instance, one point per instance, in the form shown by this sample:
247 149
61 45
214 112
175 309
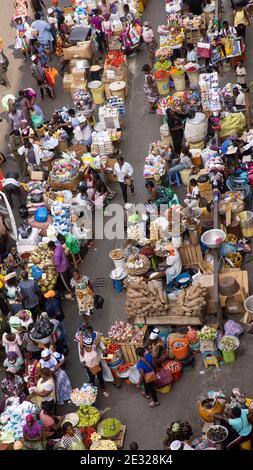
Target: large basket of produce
138 265
101 444
217 434
88 416
71 184
42 257
109 428
175 368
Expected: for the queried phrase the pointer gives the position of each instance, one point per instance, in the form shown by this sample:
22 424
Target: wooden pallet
119 441
171 320
191 255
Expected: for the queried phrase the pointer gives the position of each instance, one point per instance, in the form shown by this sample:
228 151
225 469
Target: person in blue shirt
145 367
240 429
54 310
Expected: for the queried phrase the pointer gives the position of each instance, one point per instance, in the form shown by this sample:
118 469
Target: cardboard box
79 149
109 170
78 76
67 81
81 85
83 50
37 175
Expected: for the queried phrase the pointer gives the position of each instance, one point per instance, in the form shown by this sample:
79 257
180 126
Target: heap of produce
110 428
178 432
228 343
207 334
162 64
85 396
124 332
101 444
88 416
41 257
146 300
115 59
217 433
192 301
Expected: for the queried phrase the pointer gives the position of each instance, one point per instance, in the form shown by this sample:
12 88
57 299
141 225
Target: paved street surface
144 425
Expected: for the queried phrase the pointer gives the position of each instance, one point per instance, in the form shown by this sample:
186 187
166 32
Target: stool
246 445
211 360
118 285
177 177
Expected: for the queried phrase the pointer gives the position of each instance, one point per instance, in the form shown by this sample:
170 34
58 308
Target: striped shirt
29 291
67 441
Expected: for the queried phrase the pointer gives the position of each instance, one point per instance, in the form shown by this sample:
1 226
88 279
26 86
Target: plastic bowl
213 238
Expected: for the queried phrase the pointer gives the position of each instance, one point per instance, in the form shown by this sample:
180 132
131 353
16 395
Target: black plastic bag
98 302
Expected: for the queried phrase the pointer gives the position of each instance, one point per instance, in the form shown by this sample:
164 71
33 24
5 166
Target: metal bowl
221 440
213 238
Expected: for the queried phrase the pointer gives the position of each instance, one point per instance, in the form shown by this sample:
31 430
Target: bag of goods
232 124
163 377
196 128
41 215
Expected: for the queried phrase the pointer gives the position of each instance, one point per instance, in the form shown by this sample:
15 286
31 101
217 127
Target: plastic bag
37 121
106 371
163 377
41 215
233 328
98 302
36 272
24 230
72 244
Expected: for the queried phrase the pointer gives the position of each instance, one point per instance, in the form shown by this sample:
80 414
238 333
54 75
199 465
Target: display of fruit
228 343
113 348
217 433
42 257
207 334
162 64
101 444
122 369
122 331
110 428
88 416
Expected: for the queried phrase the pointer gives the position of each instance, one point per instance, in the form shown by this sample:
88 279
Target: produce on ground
228 343
88 416
192 301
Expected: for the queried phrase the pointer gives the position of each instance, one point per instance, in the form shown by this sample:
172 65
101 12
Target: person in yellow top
241 20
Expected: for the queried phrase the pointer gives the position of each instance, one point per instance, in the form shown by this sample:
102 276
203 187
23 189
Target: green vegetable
88 416
207 334
228 343
110 427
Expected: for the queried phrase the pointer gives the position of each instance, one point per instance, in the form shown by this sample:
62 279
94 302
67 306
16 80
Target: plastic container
118 89
246 220
208 408
118 263
97 90
179 82
229 356
163 84
181 352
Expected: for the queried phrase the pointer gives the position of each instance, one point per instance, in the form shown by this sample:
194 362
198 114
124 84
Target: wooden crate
129 350
119 441
191 255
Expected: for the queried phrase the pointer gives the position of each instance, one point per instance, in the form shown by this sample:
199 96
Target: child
192 198
241 74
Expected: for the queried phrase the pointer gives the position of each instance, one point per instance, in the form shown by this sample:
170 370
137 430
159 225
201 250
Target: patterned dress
62 382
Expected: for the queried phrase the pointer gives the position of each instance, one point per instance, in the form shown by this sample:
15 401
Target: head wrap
50 294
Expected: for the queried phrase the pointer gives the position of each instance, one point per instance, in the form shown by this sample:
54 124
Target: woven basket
139 271
71 185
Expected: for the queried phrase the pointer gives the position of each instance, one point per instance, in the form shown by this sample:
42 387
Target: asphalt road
144 425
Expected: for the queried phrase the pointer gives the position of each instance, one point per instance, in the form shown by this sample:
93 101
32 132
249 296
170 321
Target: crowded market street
145 426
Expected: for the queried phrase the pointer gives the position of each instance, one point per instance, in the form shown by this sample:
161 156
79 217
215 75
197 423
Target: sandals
144 395
106 394
153 404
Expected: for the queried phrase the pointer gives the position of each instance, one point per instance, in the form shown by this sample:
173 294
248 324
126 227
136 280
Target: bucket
246 219
193 78
120 262
118 89
180 83
185 176
181 352
165 389
97 90
229 356
163 85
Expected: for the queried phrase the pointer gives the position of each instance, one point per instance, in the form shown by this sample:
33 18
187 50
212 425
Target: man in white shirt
191 54
32 152
239 98
124 174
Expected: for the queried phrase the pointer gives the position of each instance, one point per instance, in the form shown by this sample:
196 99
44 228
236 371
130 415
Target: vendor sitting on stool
157 349
192 198
174 263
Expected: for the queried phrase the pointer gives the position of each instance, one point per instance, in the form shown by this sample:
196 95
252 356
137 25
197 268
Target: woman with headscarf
32 434
31 373
150 88
51 424
176 129
149 40
12 342
90 359
13 363
54 361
